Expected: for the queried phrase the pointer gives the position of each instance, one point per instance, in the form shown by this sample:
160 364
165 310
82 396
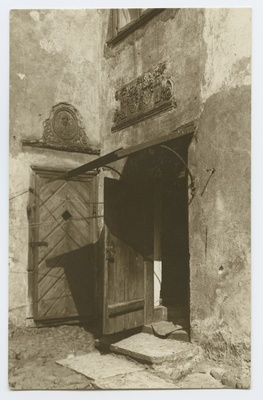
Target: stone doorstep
134 380
97 366
152 350
168 361
112 371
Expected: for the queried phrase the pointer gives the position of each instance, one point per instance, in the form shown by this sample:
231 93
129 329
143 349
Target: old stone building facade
164 226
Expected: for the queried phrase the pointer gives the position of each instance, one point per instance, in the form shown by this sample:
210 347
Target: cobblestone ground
33 353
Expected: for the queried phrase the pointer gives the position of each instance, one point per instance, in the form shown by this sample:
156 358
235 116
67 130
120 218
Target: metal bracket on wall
112 169
212 171
192 184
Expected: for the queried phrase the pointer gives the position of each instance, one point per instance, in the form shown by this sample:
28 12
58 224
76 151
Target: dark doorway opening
175 251
144 173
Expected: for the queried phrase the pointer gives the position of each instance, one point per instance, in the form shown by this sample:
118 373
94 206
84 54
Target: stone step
134 380
168 358
101 366
111 371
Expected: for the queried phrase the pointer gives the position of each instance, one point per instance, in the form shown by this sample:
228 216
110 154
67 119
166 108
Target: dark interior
140 174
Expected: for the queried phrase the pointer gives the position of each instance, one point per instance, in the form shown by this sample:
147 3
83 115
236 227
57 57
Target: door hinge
38 244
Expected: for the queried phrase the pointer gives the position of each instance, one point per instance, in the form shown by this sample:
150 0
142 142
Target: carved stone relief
148 94
64 126
63 130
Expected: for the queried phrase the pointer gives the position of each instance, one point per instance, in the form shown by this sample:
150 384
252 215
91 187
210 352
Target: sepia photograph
129 198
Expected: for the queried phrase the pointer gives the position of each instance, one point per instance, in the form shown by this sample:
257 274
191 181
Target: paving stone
148 348
199 381
244 384
202 368
96 366
229 380
134 380
217 373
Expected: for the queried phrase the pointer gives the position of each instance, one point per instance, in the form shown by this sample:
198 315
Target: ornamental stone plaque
64 130
64 126
146 95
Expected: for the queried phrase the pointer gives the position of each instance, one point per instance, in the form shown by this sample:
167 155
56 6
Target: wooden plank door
64 247
128 274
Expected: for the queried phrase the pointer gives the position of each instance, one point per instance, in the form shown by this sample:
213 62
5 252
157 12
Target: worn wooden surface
127 285
64 268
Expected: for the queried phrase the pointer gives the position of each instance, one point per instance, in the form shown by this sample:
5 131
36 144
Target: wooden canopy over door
62 245
128 274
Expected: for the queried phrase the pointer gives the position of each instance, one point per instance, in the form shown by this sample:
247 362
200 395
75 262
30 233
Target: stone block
150 349
134 380
217 373
228 379
96 366
179 335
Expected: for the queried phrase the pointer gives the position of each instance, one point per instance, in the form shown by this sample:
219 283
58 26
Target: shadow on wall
79 269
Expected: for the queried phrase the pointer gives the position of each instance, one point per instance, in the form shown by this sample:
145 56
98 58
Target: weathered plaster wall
55 57
174 37
219 216
207 53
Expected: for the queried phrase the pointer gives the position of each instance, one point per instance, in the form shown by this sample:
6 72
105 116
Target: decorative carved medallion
64 130
65 127
148 94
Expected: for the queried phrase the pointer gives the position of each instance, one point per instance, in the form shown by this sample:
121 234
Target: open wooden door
128 271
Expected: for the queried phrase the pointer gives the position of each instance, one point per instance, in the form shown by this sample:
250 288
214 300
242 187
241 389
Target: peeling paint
34 15
227 35
21 76
50 46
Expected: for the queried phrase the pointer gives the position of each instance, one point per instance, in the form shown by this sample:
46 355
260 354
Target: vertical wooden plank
95 241
140 289
127 265
106 291
120 282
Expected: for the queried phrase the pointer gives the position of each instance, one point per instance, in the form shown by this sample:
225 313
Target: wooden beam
126 307
99 162
122 153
